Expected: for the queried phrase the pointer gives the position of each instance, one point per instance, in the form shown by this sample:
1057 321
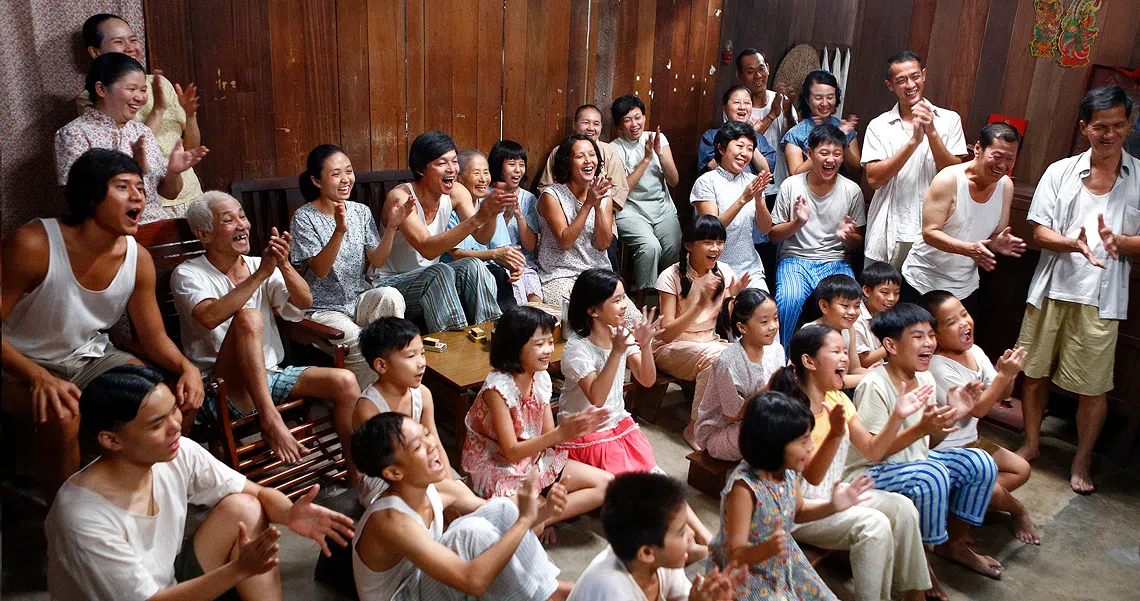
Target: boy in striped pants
950 488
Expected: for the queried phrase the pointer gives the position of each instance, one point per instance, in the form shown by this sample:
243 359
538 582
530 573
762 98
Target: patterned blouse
555 263
491 473
96 129
346 281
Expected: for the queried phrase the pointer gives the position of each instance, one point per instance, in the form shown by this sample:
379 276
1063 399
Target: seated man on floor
115 531
69 280
225 303
403 552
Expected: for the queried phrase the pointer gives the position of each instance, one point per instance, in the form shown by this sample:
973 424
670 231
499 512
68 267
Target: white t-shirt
896 208
875 396
98 551
580 358
816 240
607 579
1074 278
197 280
948 374
739 253
773 135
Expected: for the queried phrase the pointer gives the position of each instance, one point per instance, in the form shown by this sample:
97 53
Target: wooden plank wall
278 77
976 51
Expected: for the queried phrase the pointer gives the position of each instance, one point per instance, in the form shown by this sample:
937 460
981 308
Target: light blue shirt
499 238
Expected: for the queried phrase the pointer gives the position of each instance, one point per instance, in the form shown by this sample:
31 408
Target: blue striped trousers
955 481
449 296
795 280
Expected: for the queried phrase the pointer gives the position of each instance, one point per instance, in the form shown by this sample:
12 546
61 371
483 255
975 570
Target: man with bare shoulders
69 280
403 551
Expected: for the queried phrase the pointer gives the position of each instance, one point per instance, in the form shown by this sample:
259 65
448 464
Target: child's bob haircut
892 322
879 273
385 336
374 444
638 509
771 421
512 332
592 288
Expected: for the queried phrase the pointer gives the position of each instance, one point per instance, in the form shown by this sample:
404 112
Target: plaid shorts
281 382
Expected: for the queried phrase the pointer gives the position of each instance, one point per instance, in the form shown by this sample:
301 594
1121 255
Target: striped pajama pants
795 280
449 296
955 481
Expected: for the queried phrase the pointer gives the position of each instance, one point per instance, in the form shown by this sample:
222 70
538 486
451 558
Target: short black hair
623 105
999 130
374 444
112 400
771 421
880 272
728 322
385 336
1102 99
734 89
637 510
93 29
790 378
826 133
932 301
729 132
586 107
108 68
740 58
592 288
892 322
314 166
89 179
819 76
702 227
902 56
501 152
513 330
560 170
426 148
840 285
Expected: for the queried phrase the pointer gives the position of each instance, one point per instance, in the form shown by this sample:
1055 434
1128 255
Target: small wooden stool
707 474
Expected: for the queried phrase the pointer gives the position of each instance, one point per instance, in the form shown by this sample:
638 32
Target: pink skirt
618 450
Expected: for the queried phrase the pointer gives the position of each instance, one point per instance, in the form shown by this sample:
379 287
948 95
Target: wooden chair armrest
308 331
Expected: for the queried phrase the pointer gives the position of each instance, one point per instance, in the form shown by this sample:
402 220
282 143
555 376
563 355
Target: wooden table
458 372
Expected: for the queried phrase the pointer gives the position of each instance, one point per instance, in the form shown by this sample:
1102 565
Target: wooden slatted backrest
170 242
270 202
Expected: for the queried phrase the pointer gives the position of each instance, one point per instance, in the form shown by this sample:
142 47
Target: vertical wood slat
439 66
994 54
291 128
515 79
388 105
253 96
921 24
416 57
490 74
943 40
535 93
967 53
353 88
463 34
558 59
211 25
322 101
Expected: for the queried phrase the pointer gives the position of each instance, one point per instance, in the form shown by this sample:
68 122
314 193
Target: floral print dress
492 475
789 578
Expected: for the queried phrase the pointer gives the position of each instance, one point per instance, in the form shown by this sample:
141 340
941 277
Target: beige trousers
689 361
373 304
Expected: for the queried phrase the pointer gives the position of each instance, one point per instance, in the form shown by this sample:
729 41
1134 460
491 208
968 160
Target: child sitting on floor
510 428
881 285
835 302
393 348
945 483
763 494
594 365
644 521
882 534
960 361
741 371
692 292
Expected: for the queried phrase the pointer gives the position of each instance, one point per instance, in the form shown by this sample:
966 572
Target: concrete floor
1089 548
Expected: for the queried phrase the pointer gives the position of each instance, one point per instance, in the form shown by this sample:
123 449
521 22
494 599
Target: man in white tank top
965 221
401 550
69 281
225 302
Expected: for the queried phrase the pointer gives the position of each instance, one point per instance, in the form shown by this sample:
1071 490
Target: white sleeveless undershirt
370 487
383 586
404 258
60 319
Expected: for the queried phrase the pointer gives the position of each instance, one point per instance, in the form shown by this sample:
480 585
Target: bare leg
1013 471
241 363
340 387
563 591
1091 413
1034 398
959 552
216 543
935 591
586 488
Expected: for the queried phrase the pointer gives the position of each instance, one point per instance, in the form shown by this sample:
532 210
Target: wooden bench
707 474
646 402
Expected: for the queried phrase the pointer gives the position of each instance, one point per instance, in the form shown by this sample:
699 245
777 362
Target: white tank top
383 586
370 487
404 258
927 268
76 318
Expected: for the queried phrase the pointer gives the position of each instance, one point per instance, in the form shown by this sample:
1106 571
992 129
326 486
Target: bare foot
935 591
548 537
276 434
1024 529
1081 480
914 596
965 556
691 437
1028 452
696 553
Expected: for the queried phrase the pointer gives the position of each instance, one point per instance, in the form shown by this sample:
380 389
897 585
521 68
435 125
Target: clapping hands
845 496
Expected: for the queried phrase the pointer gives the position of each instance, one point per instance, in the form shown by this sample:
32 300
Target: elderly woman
819 99
118 85
334 242
737 105
169 120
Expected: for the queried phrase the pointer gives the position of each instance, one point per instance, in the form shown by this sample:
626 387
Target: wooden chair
170 243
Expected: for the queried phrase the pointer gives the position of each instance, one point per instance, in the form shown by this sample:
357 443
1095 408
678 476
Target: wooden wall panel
353 82
253 99
211 22
464 74
489 120
290 127
388 93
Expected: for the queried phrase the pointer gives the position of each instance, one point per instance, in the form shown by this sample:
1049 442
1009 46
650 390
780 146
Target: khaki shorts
1070 343
81 370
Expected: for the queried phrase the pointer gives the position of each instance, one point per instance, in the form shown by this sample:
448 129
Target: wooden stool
336 571
707 474
646 402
